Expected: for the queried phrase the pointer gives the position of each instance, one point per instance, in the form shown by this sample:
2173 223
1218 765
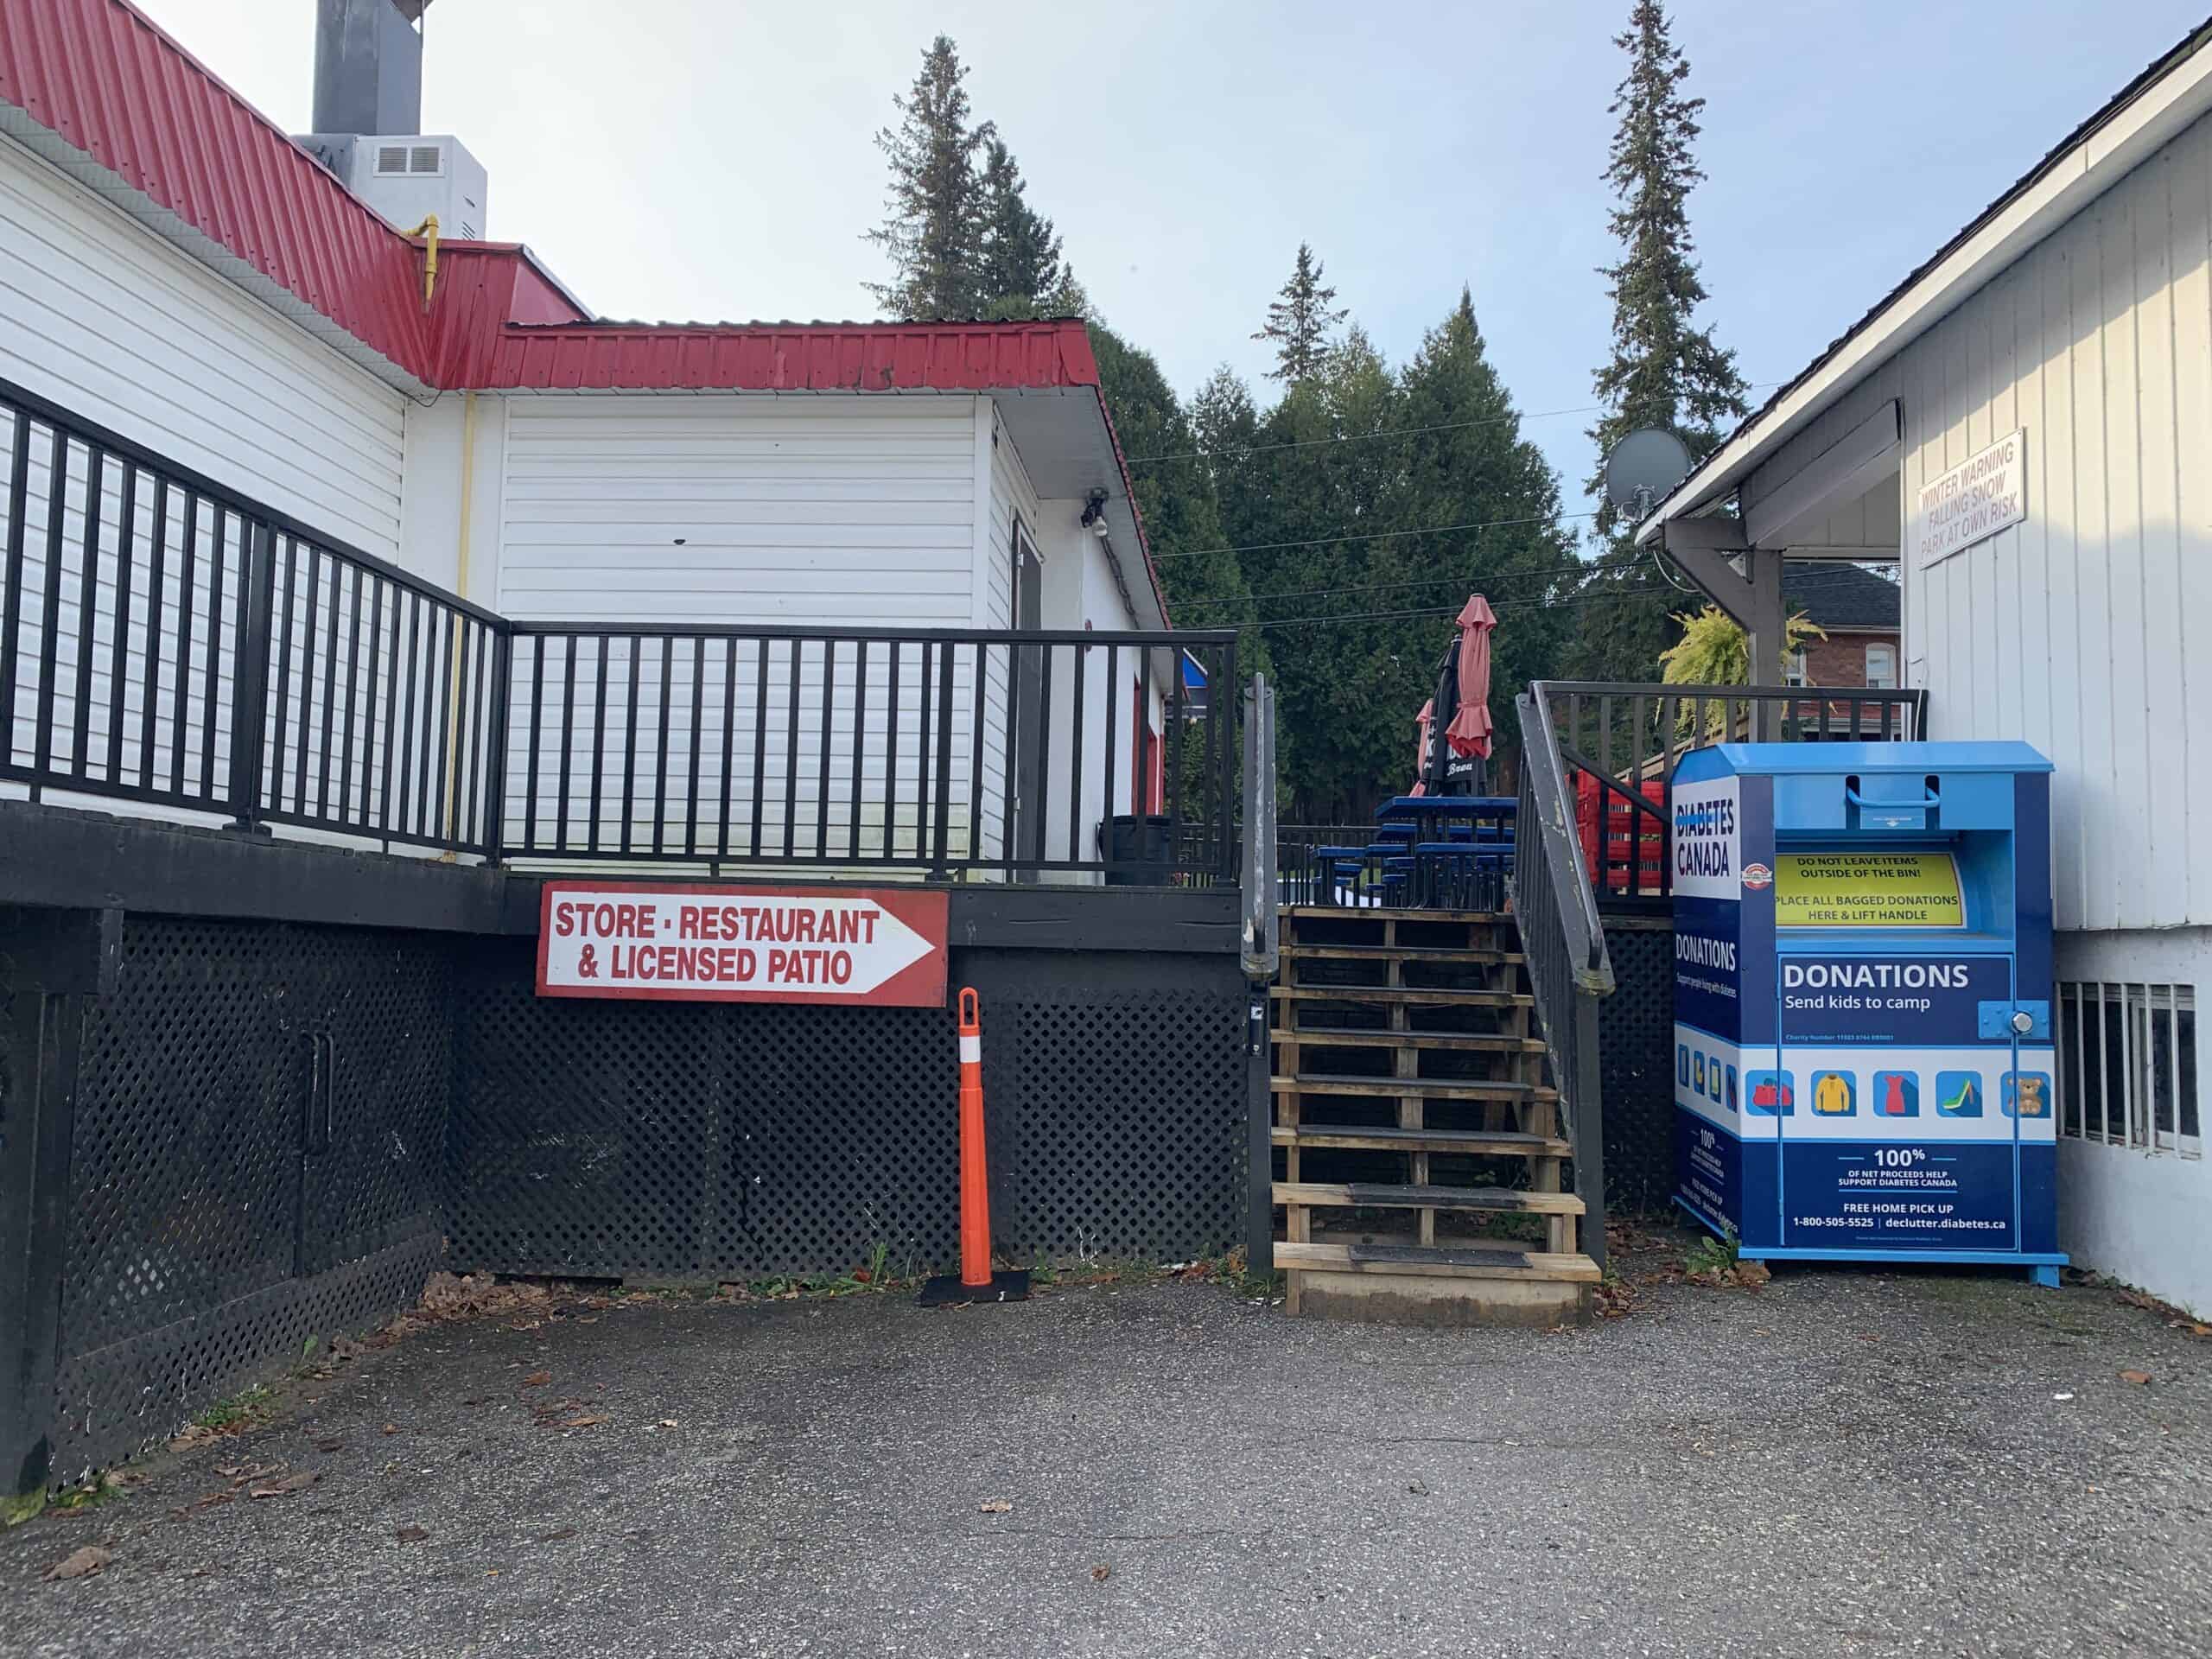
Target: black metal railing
1563 941
935 751
167 641
1618 744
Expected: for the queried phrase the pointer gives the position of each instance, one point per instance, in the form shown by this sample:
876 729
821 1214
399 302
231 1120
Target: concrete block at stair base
1373 1298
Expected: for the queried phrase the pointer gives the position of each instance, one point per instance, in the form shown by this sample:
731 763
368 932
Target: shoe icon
1958 1094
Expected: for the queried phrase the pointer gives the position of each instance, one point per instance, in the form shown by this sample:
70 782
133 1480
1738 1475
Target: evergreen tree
1322 492
1475 466
934 229
1299 321
1664 371
1018 271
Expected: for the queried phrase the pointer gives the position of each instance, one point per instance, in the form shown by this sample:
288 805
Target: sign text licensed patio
695 942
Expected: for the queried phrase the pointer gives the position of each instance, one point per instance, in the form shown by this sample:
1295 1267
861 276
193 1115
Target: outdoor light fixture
1094 515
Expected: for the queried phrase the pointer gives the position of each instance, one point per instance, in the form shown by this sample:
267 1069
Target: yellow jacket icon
1832 1095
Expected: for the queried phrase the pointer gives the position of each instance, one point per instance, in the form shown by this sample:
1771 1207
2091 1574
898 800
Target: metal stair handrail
1563 943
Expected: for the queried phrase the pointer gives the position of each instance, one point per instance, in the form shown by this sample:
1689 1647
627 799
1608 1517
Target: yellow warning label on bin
1867 890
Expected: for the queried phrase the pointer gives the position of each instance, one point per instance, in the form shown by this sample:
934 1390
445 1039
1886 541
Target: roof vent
425 158
390 159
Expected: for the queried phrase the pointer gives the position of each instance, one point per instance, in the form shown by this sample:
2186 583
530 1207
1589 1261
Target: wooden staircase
1421 1143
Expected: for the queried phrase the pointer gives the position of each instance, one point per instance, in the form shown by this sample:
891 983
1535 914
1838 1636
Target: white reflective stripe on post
971 1051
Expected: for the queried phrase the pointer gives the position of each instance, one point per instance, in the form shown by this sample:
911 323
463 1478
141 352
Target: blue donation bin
1863 1060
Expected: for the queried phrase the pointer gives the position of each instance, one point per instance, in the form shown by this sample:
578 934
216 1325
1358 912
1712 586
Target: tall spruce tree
1664 371
1018 265
934 226
1299 321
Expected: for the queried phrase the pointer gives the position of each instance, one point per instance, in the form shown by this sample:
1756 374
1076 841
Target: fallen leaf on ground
473 1402
410 1535
1101 1572
589 1420
1418 1488
391 1428
995 1506
537 1379
80 1563
557 1535
668 1422
2136 1377
1752 1273
284 1485
330 1445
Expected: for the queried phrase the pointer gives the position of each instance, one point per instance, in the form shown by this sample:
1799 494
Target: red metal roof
122 96
793 357
101 76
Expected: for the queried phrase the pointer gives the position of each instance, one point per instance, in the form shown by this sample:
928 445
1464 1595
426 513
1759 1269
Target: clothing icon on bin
1712 1075
1698 1060
2027 1094
1896 1094
1730 1101
1834 1095
1773 1094
1958 1094
1682 1064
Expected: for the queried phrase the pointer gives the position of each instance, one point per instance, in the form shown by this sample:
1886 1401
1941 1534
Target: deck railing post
250 678
494 720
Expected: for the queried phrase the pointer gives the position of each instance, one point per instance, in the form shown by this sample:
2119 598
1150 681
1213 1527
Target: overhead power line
1515 586
1392 432
1649 590
1373 536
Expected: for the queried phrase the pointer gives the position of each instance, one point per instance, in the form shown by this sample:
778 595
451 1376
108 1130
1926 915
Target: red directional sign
883 946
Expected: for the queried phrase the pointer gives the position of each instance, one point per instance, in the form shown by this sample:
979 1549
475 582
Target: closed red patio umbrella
1469 733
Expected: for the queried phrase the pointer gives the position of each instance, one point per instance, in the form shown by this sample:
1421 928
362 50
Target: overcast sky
713 158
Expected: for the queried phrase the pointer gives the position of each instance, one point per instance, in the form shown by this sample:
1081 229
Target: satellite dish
1643 467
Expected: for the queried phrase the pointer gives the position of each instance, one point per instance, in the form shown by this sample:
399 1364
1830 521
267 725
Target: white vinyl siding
2072 629
104 319
818 511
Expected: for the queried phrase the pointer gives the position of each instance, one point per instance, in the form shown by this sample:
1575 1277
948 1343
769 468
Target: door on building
1027 729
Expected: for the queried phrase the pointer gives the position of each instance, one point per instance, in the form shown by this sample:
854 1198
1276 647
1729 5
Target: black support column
54 961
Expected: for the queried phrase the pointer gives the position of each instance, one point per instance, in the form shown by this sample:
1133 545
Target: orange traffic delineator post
975 1283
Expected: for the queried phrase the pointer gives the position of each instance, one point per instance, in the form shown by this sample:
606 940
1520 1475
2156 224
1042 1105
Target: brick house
1860 613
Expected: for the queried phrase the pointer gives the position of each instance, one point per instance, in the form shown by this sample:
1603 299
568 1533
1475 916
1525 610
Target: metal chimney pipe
368 66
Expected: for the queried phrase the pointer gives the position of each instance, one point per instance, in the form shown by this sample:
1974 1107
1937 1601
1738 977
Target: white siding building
290 352
2072 319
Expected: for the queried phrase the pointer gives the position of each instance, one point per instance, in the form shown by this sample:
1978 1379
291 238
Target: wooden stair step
1391 1195
1363 913
1409 995
1443 1260
1347 1037
1317 1083
1503 1143
1475 955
